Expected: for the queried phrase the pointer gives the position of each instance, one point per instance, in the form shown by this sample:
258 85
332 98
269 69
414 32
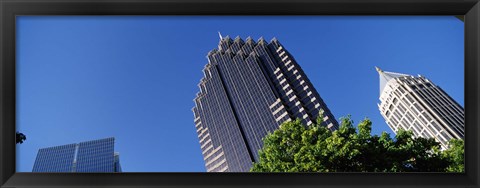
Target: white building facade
416 104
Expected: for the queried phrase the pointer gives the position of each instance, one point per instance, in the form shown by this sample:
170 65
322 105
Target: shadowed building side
89 156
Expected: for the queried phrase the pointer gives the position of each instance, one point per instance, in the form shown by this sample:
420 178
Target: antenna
220 35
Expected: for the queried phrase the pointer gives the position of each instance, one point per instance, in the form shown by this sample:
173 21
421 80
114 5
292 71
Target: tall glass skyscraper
249 88
89 156
415 103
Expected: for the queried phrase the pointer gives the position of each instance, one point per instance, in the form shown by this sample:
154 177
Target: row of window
451 114
219 111
409 122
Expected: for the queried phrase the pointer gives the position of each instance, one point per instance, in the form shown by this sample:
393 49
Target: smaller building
89 156
415 103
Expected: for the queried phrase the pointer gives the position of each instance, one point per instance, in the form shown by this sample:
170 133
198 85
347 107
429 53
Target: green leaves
295 147
455 155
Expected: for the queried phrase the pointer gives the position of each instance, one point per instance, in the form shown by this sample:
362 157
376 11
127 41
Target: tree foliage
455 155
295 147
20 137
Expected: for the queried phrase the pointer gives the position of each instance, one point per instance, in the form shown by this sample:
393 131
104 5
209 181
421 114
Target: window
409 98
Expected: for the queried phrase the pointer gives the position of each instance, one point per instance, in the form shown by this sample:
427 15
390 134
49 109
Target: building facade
249 88
415 103
89 156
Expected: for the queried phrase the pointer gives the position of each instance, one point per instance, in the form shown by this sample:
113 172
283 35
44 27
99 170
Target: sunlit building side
417 104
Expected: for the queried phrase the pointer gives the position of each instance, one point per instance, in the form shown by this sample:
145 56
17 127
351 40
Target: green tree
455 154
295 147
20 137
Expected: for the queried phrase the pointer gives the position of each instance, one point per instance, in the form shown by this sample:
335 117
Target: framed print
285 94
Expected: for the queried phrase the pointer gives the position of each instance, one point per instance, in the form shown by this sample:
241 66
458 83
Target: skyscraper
415 103
249 88
89 156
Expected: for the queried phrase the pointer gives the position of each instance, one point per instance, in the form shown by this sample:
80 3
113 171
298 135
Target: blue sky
135 77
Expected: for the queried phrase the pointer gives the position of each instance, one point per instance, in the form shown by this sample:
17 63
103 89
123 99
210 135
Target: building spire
220 35
387 76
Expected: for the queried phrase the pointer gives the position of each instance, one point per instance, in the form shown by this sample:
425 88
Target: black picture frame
9 9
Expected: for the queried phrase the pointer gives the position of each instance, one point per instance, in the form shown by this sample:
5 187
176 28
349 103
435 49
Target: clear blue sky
135 77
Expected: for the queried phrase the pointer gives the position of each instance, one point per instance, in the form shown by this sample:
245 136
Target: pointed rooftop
387 76
220 35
